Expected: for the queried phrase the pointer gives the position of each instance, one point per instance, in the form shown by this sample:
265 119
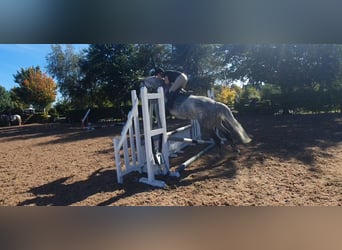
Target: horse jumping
211 115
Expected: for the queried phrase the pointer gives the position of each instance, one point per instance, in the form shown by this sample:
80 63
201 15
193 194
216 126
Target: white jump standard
141 158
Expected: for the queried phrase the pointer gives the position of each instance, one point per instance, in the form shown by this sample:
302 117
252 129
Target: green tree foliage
64 66
294 68
62 107
5 100
150 56
103 74
110 73
35 87
335 93
286 76
268 91
199 62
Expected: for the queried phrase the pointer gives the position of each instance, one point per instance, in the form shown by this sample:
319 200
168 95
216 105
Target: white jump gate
152 167
138 157
134 156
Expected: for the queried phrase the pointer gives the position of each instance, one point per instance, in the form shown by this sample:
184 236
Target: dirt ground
293 161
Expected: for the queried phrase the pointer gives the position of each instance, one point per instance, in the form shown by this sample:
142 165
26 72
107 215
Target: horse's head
152 83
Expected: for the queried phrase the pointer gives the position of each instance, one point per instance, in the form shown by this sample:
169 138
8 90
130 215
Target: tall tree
110 72
64 65
35 87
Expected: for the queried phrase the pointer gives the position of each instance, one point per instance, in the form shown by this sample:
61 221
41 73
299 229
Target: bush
53 114
262 107
117 113
36 118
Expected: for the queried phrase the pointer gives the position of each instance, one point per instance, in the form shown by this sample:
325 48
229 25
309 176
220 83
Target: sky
13 57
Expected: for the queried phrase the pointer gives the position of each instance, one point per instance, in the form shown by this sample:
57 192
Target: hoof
236 150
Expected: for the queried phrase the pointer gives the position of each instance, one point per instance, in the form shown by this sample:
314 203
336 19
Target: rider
174 81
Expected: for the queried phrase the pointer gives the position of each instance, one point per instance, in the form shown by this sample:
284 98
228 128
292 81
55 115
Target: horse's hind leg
228 135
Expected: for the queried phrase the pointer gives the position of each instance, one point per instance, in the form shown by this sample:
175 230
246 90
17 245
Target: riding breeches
180 82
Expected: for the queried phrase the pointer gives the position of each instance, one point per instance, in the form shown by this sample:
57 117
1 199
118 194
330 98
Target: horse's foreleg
228 135
217 139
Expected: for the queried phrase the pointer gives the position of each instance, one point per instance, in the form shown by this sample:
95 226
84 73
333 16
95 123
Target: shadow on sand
60 193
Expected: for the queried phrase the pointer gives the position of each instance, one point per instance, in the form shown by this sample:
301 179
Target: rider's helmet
156 71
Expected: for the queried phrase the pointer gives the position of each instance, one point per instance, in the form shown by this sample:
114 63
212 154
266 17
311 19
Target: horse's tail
236 126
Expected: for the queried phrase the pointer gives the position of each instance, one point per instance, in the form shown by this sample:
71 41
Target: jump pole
189 140
85 117
194 158
177 130
198 155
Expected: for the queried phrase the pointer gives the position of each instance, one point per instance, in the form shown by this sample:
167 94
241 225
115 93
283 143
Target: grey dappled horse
210 114
15 119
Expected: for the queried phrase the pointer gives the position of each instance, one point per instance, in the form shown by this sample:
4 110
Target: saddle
176 98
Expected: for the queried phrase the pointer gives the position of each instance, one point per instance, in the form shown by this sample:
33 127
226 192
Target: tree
64 66
110 73
291 67
35 87
103 74
96 77
150 56
200 62
5 100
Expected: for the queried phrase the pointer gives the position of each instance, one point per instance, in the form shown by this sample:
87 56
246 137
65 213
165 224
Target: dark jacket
172 74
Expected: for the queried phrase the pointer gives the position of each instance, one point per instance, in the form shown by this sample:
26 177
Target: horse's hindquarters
15 120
